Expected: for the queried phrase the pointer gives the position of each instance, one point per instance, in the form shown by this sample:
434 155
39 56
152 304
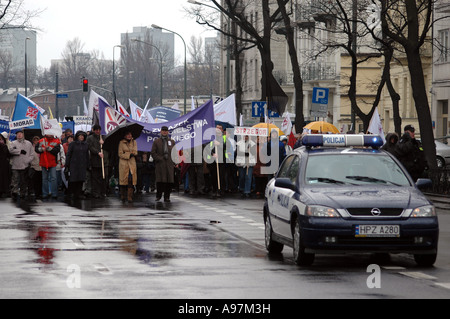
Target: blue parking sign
320 95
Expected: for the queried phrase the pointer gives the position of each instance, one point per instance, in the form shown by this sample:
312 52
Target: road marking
443 285
418 275
393 268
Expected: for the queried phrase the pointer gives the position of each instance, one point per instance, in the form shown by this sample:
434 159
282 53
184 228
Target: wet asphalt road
191 248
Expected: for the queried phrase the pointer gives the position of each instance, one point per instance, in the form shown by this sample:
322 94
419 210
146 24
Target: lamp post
114 75
26 67
161 64
228 41
185 61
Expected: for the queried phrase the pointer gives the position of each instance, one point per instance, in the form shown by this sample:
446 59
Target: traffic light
85 85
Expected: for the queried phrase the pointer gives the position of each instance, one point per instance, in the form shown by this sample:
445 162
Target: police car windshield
354 169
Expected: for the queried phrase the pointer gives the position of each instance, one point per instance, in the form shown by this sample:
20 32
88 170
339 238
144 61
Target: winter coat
94 148
127 162
391 146
49 148
20 161
4 169
77 161
410 154
164 167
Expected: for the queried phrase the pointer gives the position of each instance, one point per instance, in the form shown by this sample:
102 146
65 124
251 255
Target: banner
109 118
164 114
225 111
193 129
25 109
94 99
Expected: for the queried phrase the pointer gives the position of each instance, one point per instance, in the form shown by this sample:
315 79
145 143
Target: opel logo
376 212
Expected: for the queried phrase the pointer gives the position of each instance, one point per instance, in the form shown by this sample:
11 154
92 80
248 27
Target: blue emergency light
342 140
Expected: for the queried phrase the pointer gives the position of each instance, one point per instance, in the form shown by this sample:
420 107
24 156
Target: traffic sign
62 96
258 110
320 102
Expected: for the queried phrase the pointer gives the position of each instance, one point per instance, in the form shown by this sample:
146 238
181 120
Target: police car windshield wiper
325 180
370 179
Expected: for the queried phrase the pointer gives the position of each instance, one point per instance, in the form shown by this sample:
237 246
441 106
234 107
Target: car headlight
424 211
321 211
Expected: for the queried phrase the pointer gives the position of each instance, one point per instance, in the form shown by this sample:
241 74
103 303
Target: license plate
377 231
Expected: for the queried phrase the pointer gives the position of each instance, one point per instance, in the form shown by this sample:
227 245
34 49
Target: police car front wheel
301 258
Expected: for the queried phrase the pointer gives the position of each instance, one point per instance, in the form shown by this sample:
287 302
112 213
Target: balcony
320 71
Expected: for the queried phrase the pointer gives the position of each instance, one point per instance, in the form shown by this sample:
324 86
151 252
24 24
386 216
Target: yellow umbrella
322 127
271 127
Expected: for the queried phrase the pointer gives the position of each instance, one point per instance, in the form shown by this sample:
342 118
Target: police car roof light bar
341 140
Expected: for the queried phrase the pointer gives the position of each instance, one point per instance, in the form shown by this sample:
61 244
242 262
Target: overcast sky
99 23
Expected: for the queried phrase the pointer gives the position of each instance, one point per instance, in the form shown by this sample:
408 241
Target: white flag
241 120
85 111
176 107
122 109
93 103
286 126
136 111
50 127
192 103
225 111
375 126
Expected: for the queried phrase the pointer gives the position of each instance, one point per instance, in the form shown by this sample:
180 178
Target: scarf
165 140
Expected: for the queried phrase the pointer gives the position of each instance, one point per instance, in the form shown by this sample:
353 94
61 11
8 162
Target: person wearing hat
410 153
22 154
127 167
164 164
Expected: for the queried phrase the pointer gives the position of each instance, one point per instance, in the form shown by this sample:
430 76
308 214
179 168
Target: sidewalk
440 201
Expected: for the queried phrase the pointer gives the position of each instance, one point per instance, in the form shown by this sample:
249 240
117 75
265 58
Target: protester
260 178
4 167
287 148
48 148
164 164
410 153
66 144
22 154
97 163
195 171
36 170
276 152
77 163
391 143
60 162
127 167
148 172
245 160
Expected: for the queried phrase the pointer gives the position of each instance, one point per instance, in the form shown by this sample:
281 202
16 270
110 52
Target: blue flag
26 109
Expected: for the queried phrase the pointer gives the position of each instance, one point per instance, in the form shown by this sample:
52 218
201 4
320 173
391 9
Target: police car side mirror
423 183
286 183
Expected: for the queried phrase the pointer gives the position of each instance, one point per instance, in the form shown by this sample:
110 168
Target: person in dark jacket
410 153
95 142
391 144
77 163
5 171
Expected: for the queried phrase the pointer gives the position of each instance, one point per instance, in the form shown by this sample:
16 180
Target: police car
340 193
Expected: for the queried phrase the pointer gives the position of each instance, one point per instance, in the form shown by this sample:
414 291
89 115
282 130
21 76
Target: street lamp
185 61
161 63
114 75
228 41
26 67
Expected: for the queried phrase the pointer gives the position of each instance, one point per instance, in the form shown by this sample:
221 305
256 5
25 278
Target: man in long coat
164 164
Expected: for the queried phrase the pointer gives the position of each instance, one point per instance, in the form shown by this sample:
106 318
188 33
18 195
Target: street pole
160 65
185 61
114 76
26 67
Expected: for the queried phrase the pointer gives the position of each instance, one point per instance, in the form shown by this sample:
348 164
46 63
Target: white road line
418 275
443 285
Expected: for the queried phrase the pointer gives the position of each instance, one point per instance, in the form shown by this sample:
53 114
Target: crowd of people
77 166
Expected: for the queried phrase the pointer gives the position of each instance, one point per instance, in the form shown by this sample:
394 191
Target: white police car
332 195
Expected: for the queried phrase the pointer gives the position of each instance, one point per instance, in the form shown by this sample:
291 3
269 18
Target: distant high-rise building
13 42
164 41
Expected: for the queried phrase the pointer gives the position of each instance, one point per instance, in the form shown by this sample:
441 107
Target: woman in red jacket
49 148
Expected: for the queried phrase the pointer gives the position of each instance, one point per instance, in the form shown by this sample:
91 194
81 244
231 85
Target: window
444 46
